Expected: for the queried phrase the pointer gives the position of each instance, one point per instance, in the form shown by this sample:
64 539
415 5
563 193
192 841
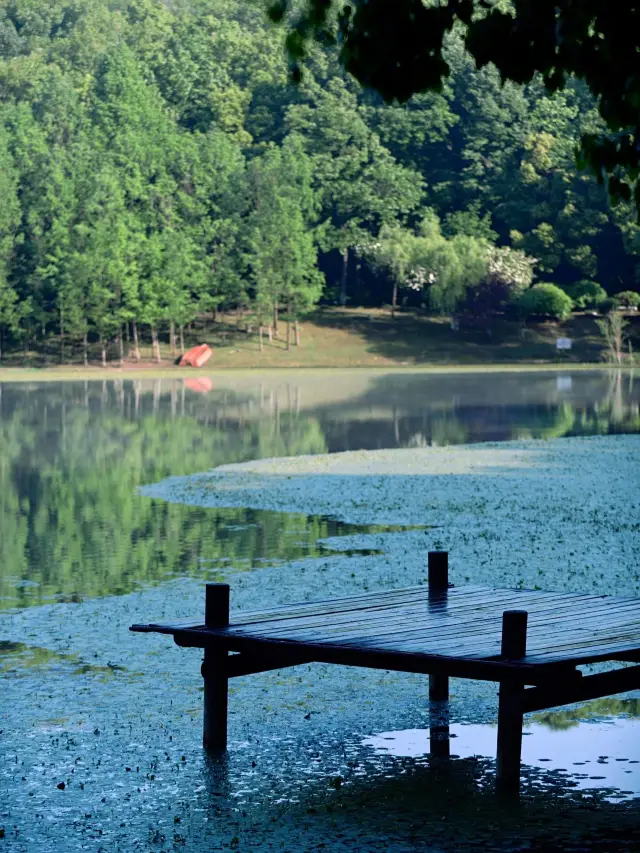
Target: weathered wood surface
455 626
516 637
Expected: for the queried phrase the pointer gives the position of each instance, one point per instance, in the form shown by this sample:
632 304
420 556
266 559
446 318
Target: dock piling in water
214 671
510 710
439 740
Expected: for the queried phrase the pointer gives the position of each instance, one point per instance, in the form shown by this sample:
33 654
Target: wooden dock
531 642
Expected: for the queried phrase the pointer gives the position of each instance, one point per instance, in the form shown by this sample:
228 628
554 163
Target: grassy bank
362 338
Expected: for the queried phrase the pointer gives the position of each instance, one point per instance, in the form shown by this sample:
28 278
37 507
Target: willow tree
395 252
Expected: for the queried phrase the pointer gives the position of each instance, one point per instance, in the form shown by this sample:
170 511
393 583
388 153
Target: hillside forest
157 164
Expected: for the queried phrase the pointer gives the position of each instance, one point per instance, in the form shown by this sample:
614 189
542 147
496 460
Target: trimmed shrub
627 299
607 305
586 294
546 300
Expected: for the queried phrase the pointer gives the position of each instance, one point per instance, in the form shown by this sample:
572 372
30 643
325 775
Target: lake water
319 755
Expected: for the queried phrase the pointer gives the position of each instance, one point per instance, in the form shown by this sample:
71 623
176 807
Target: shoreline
70 374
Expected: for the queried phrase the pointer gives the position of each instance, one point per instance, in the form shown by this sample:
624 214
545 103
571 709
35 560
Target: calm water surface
318 754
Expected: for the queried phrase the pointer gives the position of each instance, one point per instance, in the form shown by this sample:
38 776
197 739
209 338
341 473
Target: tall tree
110 254
282 255
360 185
9 224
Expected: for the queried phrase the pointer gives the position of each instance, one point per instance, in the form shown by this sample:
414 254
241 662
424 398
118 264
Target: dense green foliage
400 49
545 300
586 294
157 164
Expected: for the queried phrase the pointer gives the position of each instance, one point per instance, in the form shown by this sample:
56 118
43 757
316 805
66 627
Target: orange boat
196 356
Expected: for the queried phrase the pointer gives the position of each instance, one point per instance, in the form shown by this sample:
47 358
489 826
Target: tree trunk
297 331
239 313
85 348
343 277
136 343
1 342
394 298
172 336
260 337
156 344
289 326
181 339
61 335
104 351
275 319
270 333
120 345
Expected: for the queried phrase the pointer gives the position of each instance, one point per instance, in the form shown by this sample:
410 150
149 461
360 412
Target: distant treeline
156 163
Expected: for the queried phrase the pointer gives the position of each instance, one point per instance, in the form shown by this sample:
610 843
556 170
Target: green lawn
352 337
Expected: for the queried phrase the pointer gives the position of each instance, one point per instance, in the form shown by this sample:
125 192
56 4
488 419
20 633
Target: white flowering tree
420 278
510 268
509 275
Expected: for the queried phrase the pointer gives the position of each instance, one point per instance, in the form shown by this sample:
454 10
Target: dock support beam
510 705
439 740
214 671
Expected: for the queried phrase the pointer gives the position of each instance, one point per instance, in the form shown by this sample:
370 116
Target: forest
158 164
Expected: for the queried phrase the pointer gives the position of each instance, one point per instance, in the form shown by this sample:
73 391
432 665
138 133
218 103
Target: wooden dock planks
463 623
516 637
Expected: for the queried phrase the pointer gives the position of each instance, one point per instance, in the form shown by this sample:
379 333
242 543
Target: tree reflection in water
72 455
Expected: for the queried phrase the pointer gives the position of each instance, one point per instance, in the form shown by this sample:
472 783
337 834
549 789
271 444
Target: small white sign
563 343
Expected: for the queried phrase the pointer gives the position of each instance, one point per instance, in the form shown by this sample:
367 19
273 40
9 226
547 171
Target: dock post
439 742
214 671
438 572
514 647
